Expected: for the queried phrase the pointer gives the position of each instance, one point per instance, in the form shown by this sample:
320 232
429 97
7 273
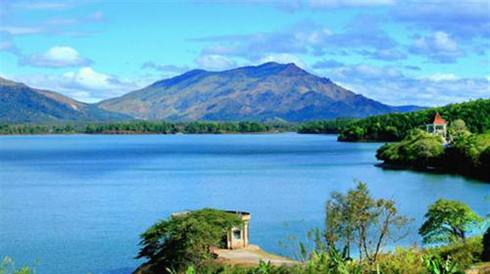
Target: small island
442 147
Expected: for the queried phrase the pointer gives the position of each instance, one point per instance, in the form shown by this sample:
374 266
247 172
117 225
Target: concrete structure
237 237
438 126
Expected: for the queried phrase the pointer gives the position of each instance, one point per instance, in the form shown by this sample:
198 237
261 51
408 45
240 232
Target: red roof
438 120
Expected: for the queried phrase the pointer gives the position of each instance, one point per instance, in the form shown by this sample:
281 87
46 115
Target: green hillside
20 103
395 126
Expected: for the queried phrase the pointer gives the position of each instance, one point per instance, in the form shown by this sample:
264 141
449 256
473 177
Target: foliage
464 253
360 220
326 127
448 221
396 126
456 126
467 153
402 261
8 267
419 149
452 258
186 240
436 265
182 244
147 127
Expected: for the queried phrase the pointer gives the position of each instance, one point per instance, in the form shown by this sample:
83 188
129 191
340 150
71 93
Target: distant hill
267 92
22 104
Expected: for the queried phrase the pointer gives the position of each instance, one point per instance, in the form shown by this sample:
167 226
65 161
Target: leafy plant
448 221
8 267
186 240
435 265
360 220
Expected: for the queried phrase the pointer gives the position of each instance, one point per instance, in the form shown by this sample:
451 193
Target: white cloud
442 77
303 38
85 84
390 85
56 57
442 41
214 62
284 58
438 46
90 79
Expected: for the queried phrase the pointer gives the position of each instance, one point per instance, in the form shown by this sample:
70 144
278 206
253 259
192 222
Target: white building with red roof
438 126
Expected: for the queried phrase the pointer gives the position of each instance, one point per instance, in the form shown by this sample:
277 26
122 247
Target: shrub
464 253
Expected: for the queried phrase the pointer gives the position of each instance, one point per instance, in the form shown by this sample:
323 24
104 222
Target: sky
399 52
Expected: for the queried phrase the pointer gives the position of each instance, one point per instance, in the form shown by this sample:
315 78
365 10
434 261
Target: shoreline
150 133
434 170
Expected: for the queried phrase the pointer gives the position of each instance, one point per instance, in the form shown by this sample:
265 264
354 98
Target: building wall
237 237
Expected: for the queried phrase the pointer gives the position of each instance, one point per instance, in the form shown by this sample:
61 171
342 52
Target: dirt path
251 255
482 268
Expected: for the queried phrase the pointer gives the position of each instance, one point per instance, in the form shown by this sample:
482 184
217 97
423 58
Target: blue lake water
79 202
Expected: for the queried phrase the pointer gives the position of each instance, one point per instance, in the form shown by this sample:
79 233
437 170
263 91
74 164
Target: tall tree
360 220
448 221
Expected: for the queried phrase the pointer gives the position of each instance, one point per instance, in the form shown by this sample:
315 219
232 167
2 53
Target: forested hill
395 126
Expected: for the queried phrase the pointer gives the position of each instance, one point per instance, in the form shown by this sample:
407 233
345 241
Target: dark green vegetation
267 92
22 104
466 153
448 221
396 126
324 127
144 127
354 218
185 239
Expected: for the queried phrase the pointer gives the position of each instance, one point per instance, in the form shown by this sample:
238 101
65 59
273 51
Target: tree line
396 126
148 127
324 127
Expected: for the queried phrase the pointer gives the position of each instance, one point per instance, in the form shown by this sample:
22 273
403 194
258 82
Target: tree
419 149
185 240
448 221
358 219
457 126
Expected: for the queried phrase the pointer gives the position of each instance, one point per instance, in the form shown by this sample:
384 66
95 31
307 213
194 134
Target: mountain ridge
20 103
267 92
263 92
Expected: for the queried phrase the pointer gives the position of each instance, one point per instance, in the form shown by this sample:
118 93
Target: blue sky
396 51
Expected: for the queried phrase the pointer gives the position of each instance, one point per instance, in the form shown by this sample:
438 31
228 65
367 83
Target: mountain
22 104
270 91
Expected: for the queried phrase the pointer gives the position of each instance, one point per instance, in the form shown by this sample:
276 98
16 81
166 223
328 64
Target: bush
402 261
464 253
185 240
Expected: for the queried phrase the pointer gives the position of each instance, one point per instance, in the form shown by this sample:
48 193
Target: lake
79 202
